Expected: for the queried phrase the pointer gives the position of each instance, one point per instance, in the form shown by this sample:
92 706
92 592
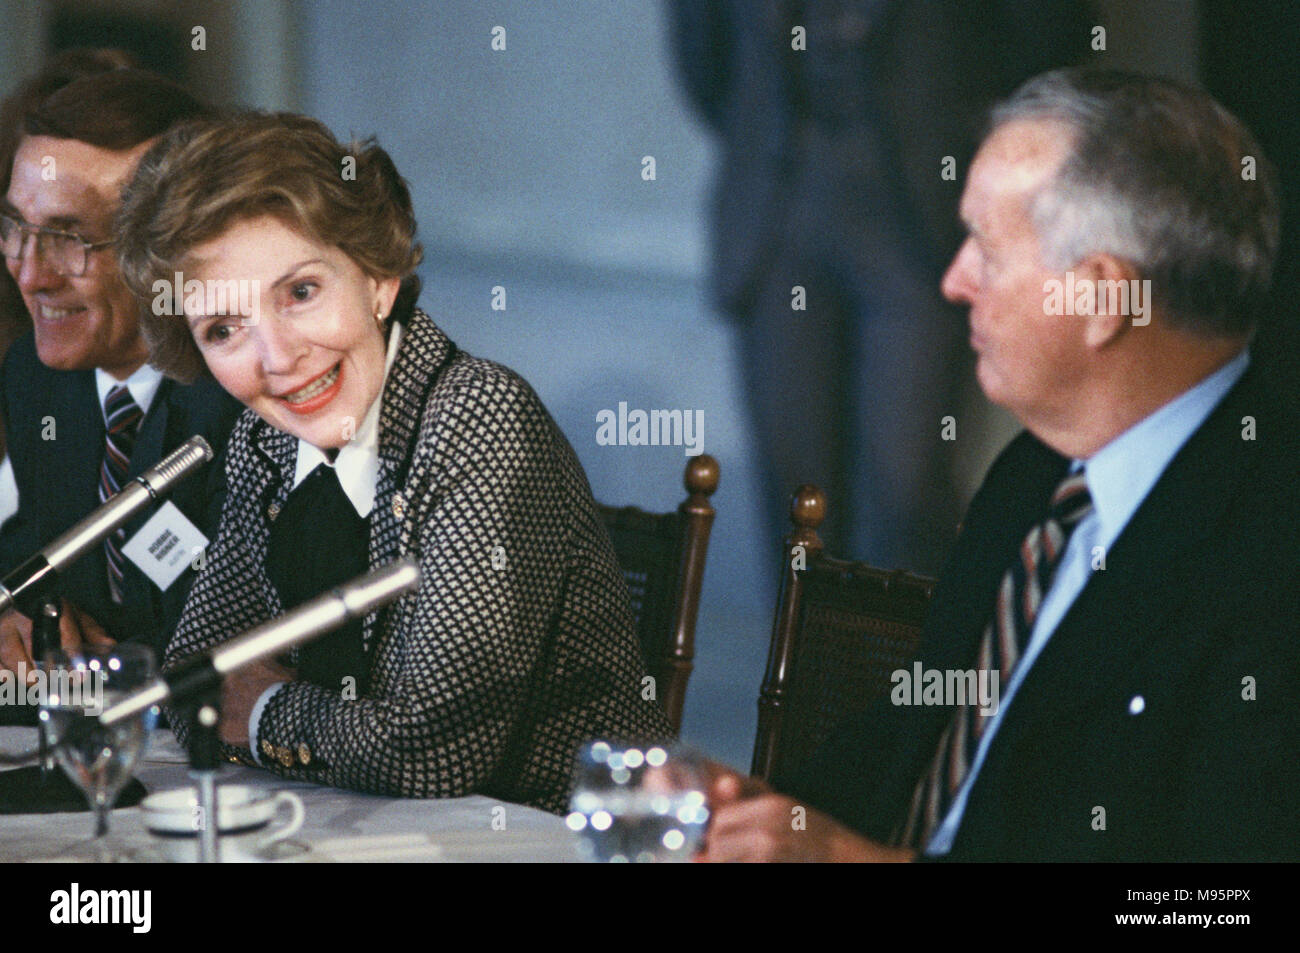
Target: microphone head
178 464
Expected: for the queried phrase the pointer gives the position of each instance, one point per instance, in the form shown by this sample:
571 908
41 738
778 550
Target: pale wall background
525 167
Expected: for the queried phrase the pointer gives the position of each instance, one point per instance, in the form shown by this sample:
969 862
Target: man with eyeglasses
85 413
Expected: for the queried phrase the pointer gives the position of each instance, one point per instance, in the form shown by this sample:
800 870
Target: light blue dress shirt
1119 475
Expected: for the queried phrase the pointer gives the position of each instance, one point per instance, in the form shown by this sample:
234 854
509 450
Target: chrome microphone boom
114 512
352 600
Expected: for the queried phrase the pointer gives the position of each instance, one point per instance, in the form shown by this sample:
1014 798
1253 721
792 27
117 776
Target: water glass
638 803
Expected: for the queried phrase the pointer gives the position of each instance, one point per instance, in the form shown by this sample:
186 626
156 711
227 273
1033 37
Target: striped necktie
1019 596
122 417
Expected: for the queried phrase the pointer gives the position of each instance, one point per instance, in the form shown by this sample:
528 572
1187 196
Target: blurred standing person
846 126
1249 63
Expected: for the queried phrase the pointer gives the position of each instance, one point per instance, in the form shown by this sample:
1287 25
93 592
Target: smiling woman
369 435
311 359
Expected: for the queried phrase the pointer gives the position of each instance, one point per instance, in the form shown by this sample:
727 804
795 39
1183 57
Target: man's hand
752 823
240 692
76 629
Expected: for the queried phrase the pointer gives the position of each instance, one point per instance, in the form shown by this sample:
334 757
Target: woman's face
294 336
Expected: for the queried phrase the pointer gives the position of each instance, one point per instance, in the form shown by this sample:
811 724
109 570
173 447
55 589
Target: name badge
166 546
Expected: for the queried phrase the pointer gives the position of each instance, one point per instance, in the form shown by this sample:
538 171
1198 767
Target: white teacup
244 821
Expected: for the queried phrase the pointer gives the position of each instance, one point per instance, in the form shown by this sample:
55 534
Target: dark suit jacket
902 83
58 479
1198 600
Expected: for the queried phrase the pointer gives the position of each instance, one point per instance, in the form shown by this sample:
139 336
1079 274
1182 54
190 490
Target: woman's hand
240 692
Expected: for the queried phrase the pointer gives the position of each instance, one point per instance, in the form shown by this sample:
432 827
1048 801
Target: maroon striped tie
122 418
1019 596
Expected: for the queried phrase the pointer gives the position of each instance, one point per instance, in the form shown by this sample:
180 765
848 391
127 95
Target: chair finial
701 475
808 507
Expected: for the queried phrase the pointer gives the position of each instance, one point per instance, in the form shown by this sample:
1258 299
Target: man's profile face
91 320
1027 361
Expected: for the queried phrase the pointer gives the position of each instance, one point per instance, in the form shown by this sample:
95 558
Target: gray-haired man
1129 568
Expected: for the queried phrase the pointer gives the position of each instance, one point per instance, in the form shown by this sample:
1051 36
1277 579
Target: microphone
32 576
202 673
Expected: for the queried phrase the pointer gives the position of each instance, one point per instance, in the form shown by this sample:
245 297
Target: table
340 825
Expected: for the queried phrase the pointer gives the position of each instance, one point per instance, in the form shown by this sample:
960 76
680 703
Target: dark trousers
850 394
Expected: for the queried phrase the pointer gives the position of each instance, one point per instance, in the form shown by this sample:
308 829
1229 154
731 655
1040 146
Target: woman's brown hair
203 177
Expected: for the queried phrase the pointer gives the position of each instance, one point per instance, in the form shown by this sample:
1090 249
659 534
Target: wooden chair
662 556
841 629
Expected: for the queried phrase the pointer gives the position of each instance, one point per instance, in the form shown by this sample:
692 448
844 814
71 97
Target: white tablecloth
340 825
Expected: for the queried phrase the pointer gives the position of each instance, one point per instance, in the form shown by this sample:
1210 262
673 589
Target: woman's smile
316 393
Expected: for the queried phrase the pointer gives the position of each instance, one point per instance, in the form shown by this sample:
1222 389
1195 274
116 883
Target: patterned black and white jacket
519 644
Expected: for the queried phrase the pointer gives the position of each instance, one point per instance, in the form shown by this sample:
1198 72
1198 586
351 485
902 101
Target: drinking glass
82 684
638 803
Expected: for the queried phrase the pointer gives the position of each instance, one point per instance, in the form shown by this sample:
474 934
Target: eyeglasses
65 252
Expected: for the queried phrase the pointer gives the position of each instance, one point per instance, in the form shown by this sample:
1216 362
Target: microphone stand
205 758
45 639
200 676
48 785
